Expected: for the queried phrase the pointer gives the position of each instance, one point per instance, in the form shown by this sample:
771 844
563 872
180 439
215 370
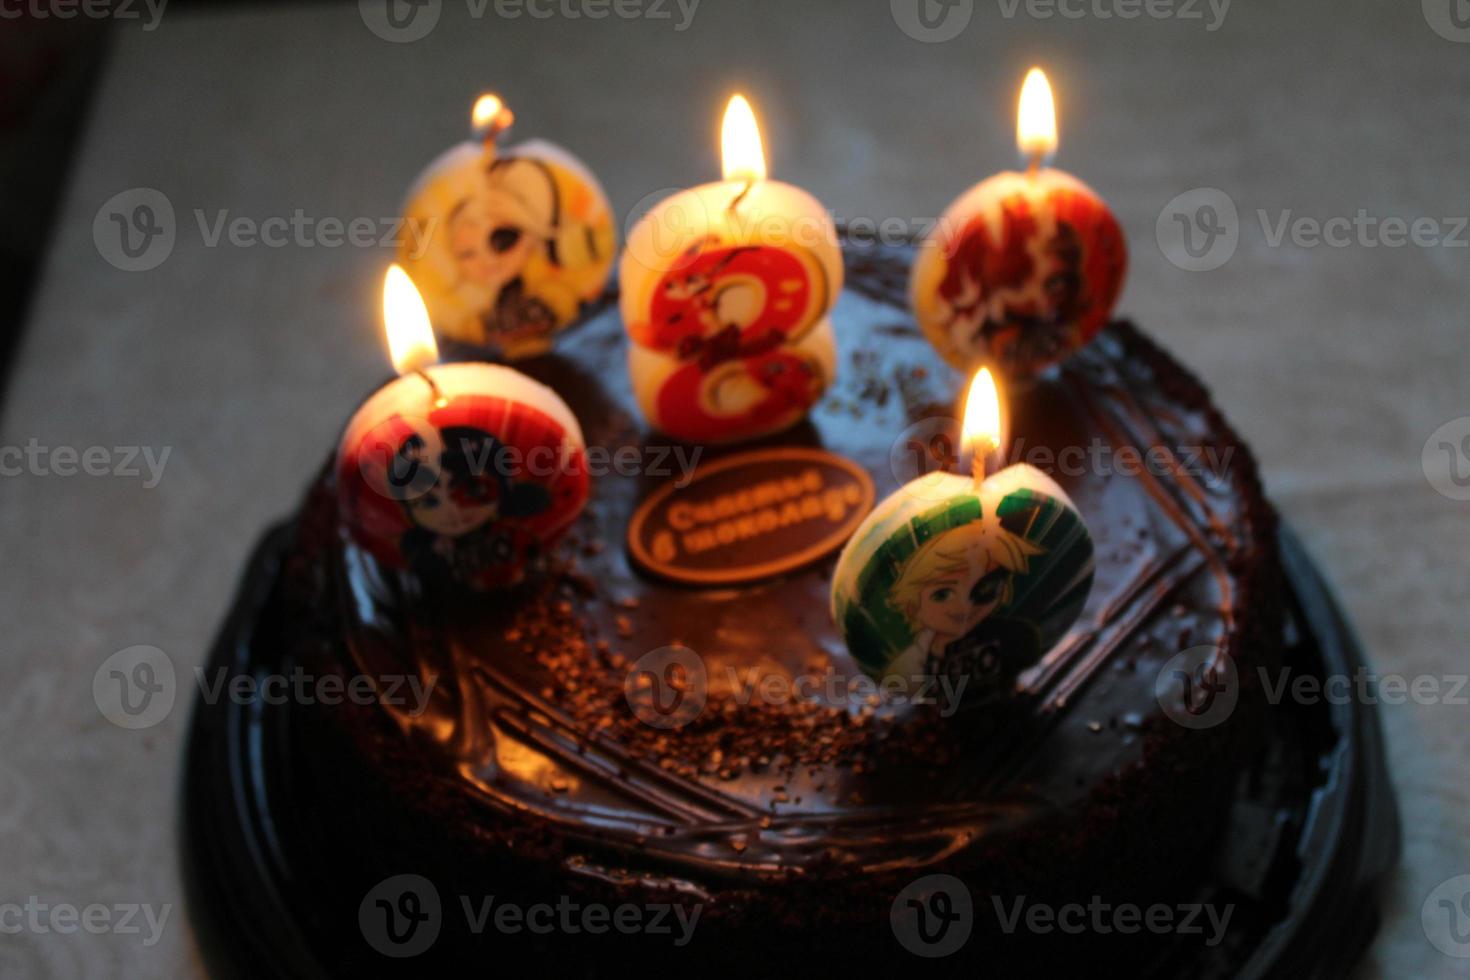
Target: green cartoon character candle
971 577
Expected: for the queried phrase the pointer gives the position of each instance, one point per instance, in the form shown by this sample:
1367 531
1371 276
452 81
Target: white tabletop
1337 363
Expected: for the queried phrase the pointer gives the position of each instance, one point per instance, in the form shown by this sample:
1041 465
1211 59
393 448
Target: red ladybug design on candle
460 474
472 491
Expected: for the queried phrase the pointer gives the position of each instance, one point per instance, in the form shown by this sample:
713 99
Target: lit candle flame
1036 121
406 319
490 115
983 431
740 139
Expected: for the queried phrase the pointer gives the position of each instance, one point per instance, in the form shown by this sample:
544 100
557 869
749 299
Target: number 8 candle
726 291
1024 268
460 474
971 576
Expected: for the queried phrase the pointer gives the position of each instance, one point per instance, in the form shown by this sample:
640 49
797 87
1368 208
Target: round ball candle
726 291
970 577
457 473
1024 268
509 246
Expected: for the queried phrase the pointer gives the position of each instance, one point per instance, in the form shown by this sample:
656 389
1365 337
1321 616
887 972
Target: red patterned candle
462 473
1024 268
726 290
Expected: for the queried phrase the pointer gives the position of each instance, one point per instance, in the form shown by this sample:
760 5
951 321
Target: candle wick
1034 166
985 461
749 186
439 400
495 128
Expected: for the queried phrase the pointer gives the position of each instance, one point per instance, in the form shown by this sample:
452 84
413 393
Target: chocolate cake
792 827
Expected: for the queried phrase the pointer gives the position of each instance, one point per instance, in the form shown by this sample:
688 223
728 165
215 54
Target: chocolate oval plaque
751 516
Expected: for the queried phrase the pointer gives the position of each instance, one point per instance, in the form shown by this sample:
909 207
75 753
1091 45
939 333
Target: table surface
1337 362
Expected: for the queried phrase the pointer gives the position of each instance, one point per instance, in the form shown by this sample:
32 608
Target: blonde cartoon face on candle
970 577
513 244
954 583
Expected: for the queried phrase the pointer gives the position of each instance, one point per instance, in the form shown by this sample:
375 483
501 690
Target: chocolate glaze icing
530 745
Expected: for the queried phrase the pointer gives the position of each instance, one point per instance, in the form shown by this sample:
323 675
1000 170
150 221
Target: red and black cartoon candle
509 246
1024 268
726 294
457 473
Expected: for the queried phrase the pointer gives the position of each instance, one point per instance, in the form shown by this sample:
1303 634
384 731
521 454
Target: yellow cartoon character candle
726 291
968 576
1024 268
512 245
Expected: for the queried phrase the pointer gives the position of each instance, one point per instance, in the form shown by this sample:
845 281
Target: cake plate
1314 831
